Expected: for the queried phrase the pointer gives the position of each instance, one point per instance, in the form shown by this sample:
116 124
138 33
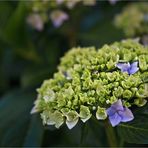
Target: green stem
111 136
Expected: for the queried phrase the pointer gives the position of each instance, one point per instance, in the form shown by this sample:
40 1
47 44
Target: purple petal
124 67
115 119
111 111
133 68
126 115
118 105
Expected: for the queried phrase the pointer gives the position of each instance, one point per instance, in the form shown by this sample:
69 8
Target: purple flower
117 113
127 67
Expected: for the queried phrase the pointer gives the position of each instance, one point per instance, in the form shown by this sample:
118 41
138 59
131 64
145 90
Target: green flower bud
144 77
141 92
142 63
140 102
126 104
127 94
84 113
113 99
49 96
55 118
118 92
101 113
72 118
110 65
61 102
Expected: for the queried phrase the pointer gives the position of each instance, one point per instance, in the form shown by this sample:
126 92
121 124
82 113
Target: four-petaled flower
127 67
117 113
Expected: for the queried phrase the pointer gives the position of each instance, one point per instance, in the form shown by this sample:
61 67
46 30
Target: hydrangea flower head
133 19
88 83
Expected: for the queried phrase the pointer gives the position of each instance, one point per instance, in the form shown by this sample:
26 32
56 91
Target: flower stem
111 136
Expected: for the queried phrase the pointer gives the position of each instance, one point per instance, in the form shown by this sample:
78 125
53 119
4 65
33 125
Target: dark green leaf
35 132
135 131
15 117
14 31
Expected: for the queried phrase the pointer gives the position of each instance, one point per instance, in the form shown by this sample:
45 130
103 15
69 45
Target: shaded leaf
135 131
14 116
35 132
14 32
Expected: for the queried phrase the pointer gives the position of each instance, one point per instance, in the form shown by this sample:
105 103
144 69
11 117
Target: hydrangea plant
133 19
58 11
42 11
106 83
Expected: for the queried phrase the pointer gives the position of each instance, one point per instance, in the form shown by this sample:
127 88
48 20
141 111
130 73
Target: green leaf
35 133
14 31
34 76
5 11
135 131
15 118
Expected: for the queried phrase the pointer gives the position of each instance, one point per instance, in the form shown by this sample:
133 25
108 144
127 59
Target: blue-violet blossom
127 67
117 113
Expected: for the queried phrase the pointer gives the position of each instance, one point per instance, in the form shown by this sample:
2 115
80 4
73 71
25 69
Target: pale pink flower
35 21
58 17
59 2
113 2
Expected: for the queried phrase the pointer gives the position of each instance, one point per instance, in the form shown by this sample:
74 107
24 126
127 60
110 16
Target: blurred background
34 35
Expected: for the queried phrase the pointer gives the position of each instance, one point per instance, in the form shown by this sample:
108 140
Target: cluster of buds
104 83
134 19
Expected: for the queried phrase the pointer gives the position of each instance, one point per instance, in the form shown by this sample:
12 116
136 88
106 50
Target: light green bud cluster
88 82
133 19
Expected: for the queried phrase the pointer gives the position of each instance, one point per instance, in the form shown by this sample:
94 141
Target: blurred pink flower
35 21
58 17
59 1
113 2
